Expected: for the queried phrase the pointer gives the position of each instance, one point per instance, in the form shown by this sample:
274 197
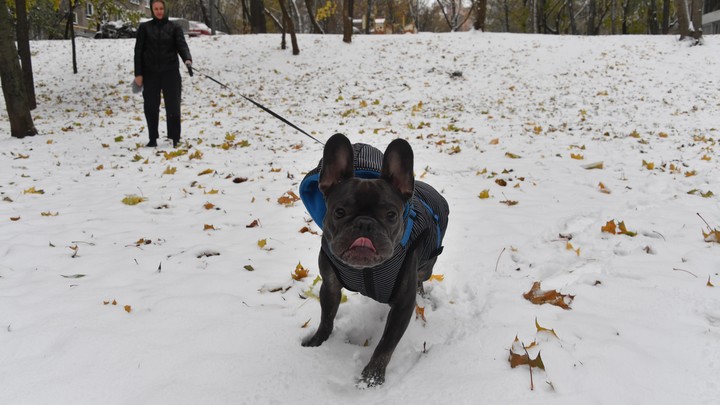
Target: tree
690 19
70 30
11 78
23 39
290 27
480 15
257 17
347 20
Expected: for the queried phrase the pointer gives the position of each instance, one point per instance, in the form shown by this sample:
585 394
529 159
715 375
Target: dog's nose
364 225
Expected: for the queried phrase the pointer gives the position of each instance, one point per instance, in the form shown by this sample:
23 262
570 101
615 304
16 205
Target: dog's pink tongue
363 243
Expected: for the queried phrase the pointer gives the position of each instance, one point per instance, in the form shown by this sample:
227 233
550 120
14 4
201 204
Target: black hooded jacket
157 45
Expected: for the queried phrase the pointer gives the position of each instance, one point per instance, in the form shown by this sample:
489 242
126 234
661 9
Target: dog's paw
370 379
314 340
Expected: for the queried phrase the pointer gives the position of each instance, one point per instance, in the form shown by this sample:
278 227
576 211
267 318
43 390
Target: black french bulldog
381 237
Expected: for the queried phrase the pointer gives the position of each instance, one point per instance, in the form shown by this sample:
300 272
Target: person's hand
188 62
139 81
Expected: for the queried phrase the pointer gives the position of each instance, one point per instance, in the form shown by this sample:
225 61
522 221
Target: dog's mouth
363 243
361 253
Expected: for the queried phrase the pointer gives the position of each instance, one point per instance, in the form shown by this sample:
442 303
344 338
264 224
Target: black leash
267 110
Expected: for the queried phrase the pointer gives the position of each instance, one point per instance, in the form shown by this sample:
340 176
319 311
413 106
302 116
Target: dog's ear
397 167
337 164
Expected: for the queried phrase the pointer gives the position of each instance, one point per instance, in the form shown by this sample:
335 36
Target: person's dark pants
171 86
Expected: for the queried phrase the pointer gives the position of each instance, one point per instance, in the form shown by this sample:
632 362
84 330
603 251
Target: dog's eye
339 212
391 215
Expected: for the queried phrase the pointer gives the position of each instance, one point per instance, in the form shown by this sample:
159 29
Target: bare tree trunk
11 79
70 31
71 17
283 42
23 40
652 22
347 20
257 17
696 19
316 29
390 18
666 17
613 16
480 16
368 16
592 15
246 17
683 14
290 27
571 16
507 16
204 12
626 15
534 16
541 17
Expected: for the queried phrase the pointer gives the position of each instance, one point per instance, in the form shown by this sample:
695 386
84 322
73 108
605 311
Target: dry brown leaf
712 236
569 246
306 229
519 357
300 272
288 199
538 296
609 227
596 165
420 312
541 329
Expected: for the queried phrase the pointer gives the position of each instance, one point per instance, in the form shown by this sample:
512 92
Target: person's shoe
175 142
151 144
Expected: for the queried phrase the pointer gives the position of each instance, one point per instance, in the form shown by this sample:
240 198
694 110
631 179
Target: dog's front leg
401 309
330 295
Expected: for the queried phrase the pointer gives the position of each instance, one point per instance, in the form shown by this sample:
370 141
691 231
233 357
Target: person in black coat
158 44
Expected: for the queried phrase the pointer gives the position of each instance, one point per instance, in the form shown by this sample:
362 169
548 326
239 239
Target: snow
644 325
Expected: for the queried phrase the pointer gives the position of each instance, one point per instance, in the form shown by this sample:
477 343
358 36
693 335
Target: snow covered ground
174 301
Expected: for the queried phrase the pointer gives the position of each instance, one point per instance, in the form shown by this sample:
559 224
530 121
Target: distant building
711 17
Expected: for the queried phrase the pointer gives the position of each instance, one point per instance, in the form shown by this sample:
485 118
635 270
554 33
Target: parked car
116 29
197 28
